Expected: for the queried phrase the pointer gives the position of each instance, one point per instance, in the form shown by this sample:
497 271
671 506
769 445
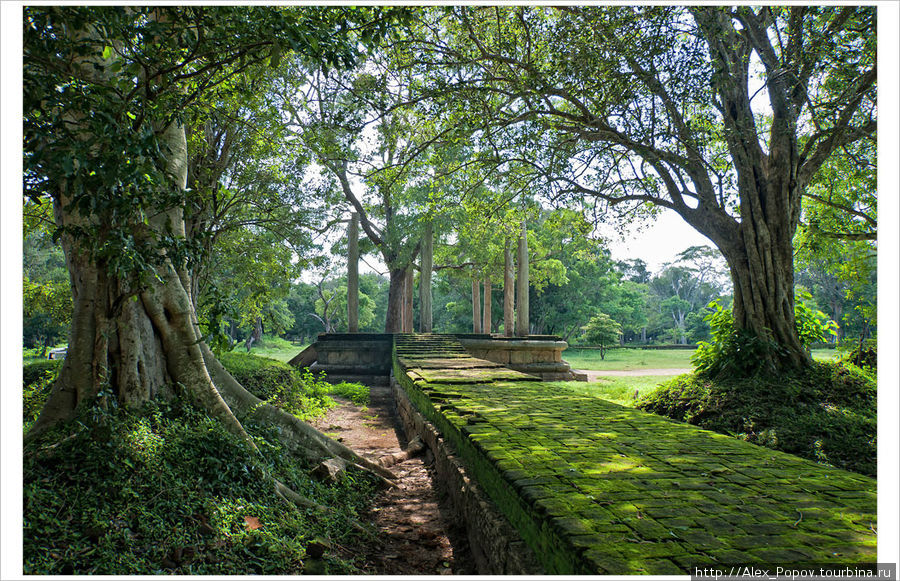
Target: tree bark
522 315
426 318
408 300
476 305
393 322
486 310
509 289
353 274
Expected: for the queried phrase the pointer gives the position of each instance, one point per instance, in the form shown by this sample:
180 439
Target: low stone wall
496 547
540 356
361 357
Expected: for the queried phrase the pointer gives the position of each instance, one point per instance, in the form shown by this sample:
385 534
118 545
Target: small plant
355 392
826 413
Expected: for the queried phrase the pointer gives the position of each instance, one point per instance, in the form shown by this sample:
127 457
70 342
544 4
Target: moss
593 487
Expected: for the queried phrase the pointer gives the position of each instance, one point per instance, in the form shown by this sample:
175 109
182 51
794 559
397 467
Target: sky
657 242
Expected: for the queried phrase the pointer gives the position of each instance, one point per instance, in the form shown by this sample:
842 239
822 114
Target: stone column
427 265
476 304
522 285
486 316
509 289
353 274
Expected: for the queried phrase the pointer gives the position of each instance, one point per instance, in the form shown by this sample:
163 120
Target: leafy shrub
355 392
37 381
738 352
297 392
167 490
864 355
826 414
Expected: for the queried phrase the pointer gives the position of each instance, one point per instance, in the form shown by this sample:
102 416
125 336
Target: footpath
596 488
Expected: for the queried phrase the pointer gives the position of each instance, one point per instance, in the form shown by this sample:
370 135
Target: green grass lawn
620 390
628 359
276 348
826 354
631 359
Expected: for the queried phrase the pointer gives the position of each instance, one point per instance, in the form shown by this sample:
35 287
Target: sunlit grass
826 354
635 359
276 348
628 359
621 390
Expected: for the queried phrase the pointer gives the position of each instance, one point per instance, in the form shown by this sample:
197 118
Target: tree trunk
408 300
393 322
509 289
486 312
353 274
255 335
522 317
426 318
476 305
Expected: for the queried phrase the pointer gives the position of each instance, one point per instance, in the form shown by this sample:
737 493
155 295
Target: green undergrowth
355 392
826 414
298 392
37 380
166 490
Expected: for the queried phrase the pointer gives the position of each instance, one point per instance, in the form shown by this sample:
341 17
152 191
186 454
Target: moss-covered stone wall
596 488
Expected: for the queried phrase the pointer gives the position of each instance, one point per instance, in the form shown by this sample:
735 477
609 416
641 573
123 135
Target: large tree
724 115
106 92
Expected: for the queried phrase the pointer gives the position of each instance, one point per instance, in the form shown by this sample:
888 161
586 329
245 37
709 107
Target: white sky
659 241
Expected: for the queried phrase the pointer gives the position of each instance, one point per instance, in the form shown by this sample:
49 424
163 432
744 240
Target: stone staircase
413 346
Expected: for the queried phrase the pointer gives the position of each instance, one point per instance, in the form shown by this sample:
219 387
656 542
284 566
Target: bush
37 381
739 352
167 490
826 414
294 391
864 354
355 392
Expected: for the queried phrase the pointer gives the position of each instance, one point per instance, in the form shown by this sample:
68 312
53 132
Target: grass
629 359
167 490
826 354
619 390
634 359
275 348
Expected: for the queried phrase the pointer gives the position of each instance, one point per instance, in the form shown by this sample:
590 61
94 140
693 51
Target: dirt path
413 536
593 375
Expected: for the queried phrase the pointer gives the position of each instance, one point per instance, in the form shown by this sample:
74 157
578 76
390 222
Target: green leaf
107 52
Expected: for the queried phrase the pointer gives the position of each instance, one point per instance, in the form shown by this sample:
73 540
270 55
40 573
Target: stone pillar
353 274
476 305
486 316
427 265
522 285
509 289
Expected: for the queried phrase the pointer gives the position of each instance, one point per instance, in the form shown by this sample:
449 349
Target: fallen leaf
252 522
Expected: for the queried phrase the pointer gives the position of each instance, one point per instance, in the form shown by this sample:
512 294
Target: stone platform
596 488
